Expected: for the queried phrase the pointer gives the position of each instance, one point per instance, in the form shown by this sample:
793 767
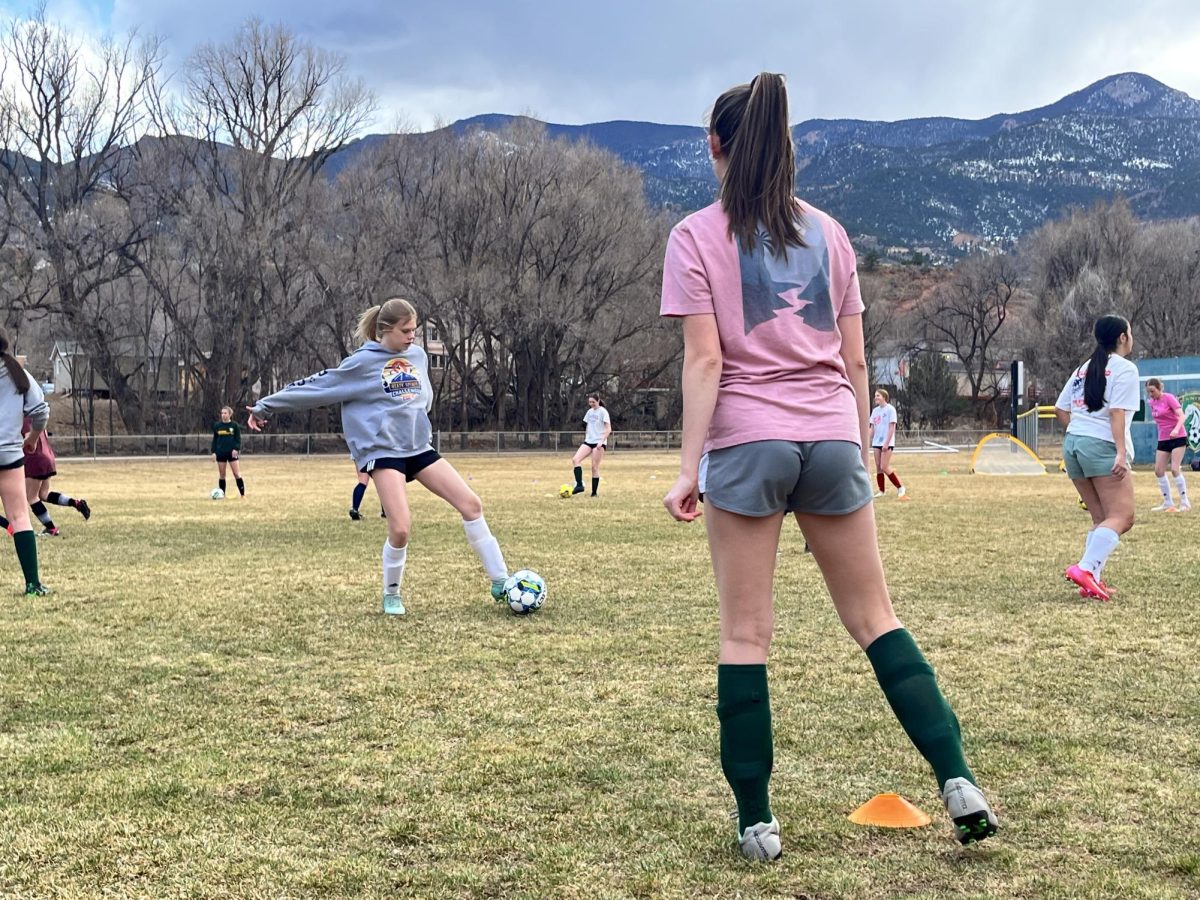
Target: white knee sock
1165 487
479 536
393 567
1103 542
1181 486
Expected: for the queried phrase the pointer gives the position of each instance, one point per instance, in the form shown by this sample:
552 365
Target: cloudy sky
666 60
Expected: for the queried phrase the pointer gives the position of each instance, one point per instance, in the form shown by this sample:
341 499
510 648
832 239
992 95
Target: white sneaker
1164 507
761 841
901 491
877 494
1185 505
968 808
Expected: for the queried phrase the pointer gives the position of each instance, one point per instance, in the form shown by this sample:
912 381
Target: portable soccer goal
1040 431
1003 454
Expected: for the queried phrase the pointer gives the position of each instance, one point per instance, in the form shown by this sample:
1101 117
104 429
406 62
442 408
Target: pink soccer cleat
1085 594
1087 582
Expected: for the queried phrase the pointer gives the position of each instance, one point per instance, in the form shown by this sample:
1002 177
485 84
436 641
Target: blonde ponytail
378 319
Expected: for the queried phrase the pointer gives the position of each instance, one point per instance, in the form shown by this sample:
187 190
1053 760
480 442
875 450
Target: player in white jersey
1097 404
883 442
595 440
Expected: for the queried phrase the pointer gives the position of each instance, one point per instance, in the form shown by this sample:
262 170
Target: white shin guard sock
394 559
1181 486
1165 487
485 545
1104 541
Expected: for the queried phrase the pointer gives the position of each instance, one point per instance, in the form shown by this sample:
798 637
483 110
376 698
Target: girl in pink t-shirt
775 417
1172 443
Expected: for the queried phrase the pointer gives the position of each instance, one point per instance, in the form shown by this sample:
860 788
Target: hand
256 423
234 454
682 501
1120 466
214 457
29 446
1178 432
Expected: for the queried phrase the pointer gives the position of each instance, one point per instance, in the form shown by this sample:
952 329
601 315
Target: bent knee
471 508
398 537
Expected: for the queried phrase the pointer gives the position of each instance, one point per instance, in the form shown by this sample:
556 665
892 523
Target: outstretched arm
321 389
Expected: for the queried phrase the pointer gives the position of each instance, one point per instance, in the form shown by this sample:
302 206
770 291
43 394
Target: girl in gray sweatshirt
385 394
20 398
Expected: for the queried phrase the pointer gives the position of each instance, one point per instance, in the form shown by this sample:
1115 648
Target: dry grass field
212 705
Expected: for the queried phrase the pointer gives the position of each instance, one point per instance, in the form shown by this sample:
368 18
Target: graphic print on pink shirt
782 374
797 282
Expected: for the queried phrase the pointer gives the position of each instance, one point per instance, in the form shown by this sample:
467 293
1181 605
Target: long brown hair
751 122
1108 333
15 371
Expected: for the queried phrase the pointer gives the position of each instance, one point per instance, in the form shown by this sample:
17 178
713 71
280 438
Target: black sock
747 747
26 543
579 477
3 523
595 485
59 499
39 510
241 487
912 691
221 484
356 499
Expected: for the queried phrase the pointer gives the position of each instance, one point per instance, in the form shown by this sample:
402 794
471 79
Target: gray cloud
666 61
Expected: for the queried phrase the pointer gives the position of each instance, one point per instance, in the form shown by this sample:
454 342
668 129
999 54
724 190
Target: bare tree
69 122
267 111
967 314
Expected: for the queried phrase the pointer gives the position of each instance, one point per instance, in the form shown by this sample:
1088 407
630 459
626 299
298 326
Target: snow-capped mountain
943 182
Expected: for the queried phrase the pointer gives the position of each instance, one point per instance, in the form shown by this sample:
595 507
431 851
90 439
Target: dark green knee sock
579 477
26 543
911 688
747 749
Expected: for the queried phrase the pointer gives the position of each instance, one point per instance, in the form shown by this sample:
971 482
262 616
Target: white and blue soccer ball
525 591
217 494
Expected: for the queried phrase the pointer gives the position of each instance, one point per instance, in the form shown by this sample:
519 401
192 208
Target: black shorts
411 466
15 465
595 445
227 457
1171 444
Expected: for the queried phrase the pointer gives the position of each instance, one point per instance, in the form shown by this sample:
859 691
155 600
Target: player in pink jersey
775 418
1172 442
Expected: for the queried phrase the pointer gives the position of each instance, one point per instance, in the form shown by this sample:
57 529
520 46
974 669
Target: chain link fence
447 442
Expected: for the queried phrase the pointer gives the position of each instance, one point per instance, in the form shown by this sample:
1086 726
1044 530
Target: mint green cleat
393 605
498 589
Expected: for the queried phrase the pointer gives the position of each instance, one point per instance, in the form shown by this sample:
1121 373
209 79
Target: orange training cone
889 811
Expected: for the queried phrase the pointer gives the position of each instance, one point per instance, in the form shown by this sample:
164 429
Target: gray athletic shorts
765 477
1088 457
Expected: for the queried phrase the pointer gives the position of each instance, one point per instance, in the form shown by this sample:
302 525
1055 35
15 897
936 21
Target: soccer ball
564 491
217 494
525 591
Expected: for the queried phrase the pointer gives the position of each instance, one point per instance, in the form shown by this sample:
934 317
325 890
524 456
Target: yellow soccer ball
564 491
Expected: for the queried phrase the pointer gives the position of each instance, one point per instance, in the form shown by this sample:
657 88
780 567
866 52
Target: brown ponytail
15 370
751 122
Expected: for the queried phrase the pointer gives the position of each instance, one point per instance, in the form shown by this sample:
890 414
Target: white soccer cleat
1185 505
1164 507
877 494
761 841
902 493
968 809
